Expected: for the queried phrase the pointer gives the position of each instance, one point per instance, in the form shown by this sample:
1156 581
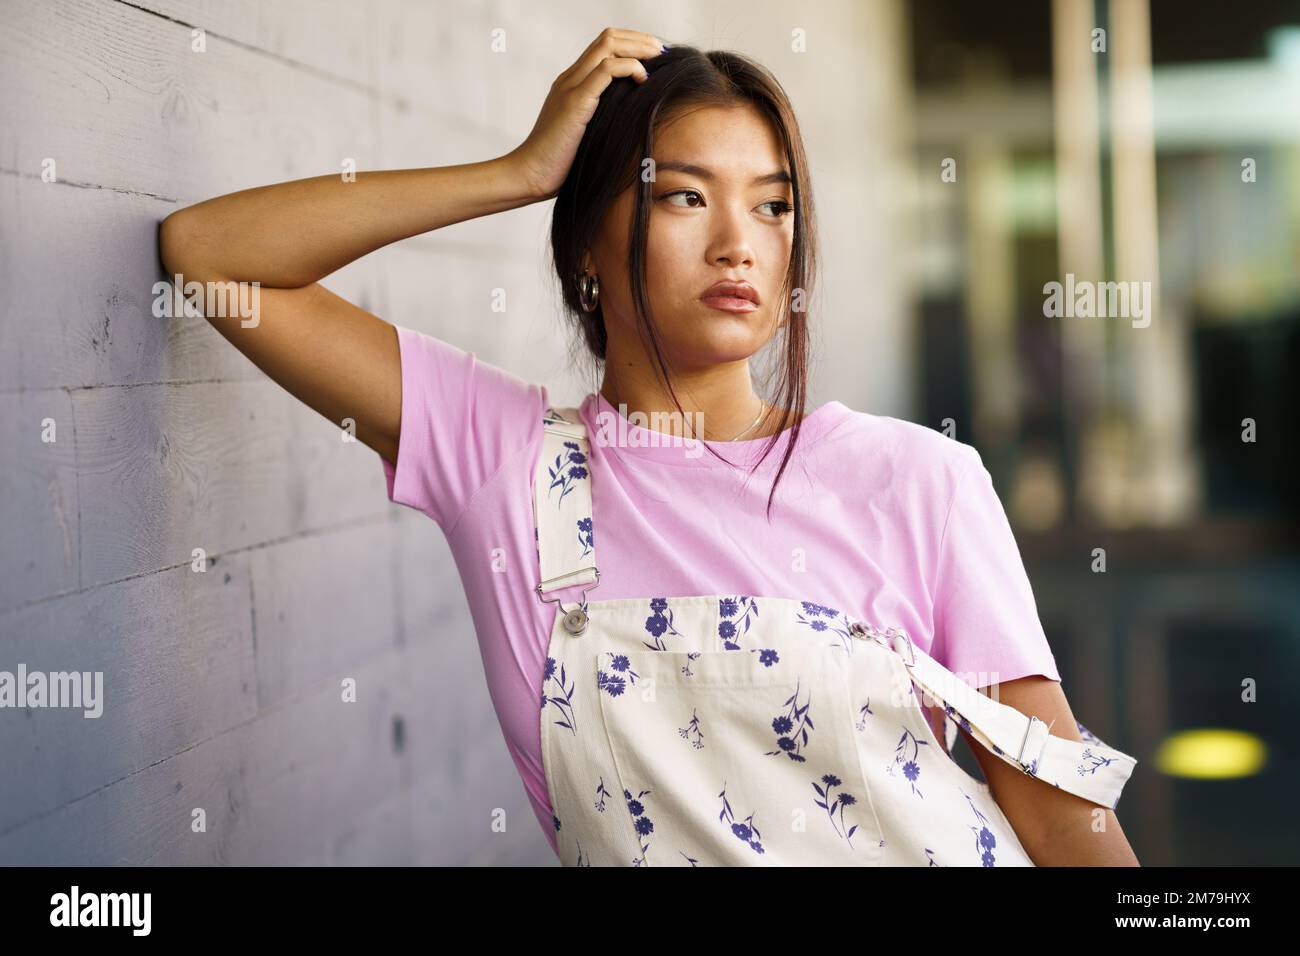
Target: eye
780 207
683 192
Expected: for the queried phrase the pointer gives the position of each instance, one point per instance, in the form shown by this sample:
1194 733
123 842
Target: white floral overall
740 730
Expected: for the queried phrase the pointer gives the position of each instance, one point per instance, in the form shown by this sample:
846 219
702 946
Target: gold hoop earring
588 291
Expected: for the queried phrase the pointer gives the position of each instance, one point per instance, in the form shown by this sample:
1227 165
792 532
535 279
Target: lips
729 303
733 296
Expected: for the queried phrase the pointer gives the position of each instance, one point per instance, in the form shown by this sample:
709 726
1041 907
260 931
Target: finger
570 76
606 70
610 43
623 37
617 52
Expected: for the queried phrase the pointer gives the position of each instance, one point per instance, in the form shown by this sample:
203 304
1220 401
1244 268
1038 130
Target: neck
720 403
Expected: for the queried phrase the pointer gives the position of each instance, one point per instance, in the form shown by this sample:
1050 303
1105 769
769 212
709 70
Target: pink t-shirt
877 517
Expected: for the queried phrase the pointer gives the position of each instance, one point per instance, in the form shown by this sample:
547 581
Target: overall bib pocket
757 744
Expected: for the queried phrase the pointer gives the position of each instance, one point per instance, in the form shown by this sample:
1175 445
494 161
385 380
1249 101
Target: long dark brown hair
609 159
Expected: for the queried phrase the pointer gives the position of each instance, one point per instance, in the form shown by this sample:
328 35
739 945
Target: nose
730 244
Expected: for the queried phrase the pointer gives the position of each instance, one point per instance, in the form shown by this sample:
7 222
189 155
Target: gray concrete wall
130 441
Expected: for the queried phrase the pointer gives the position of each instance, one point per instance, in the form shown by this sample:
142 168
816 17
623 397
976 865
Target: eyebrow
781 176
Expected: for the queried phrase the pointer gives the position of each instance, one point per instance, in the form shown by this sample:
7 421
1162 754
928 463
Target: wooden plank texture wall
223 687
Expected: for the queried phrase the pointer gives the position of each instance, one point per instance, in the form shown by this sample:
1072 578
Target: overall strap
566 549
1089 769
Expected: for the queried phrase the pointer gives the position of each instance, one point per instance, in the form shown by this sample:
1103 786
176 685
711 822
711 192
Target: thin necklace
762 409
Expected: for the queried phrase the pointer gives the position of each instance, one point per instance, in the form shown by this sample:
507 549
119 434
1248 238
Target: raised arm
332 355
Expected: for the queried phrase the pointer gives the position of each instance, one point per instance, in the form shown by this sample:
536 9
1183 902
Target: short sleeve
461 421
986 622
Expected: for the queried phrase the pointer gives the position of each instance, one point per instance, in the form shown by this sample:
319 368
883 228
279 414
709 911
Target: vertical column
1163 487
1079 226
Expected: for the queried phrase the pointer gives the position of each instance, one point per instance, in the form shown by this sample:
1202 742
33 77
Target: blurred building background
1121 140
964 156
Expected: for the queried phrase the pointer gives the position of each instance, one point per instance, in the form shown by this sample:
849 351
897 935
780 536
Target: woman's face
722 220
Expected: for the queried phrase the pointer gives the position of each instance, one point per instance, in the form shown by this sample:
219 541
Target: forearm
292 234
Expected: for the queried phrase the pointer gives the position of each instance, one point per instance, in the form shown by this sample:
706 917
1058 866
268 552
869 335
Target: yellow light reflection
1211 754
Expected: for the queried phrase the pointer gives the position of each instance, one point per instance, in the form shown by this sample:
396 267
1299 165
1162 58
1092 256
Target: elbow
169 243
173 242
180 252
184 245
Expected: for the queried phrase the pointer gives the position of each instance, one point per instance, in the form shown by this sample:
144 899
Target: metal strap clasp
567 428
561 577
1031 768
575 621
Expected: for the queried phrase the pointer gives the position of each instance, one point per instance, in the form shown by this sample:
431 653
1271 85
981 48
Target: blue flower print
556 821
567 469
693 728
747 831
792 728
905 756
585 536
562 701
862 714
659 623
929 855
841 802
1092 762
690 859
816 610
686 668
957 718
767 656
825 620
640 823
985 841
614 684
747 609
601 794
634 805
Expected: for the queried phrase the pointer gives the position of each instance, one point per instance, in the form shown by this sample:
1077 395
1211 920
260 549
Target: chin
716 348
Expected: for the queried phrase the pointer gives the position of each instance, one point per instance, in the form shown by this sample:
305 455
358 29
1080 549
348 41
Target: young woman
684 241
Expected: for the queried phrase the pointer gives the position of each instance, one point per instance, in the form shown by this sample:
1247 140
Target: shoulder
908 451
